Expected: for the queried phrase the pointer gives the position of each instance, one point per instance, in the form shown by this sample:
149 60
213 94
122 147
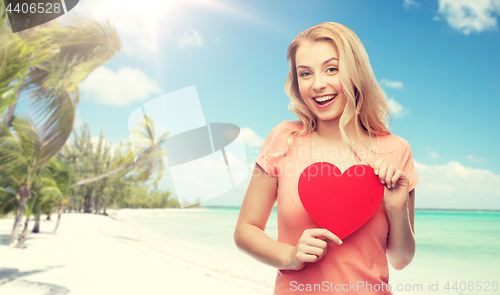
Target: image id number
471 286
34 8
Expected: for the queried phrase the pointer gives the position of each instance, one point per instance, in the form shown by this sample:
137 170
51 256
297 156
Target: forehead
311 53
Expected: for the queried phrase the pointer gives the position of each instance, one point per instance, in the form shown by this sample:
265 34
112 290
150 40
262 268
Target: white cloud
455 186
395 108
391 84
408 4
469 16
137 24
118 88
474 159
141 24
190 38
433 155
251 138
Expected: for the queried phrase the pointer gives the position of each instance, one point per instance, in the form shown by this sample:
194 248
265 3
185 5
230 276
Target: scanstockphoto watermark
292 166
365 286
204 160
352 286
325 169
304 152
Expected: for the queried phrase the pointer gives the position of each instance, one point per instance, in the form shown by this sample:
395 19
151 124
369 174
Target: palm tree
22 154
49 61
46 192
100 169
60 189
17 56
48 200
149 165
53 58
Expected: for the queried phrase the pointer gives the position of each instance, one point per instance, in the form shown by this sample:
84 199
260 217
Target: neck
330 130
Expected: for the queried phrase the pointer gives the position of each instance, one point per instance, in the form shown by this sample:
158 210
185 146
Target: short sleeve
275 144
408 166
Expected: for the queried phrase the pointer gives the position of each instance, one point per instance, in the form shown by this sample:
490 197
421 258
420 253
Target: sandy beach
95 254
191 251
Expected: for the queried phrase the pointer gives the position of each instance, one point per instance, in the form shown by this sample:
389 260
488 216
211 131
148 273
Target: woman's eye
331 70
305 74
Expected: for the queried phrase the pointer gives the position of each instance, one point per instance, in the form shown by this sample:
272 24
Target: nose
319 83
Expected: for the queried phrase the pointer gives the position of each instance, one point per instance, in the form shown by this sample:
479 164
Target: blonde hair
366 101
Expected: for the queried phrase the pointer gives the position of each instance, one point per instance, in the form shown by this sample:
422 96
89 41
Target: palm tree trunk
59 211
36 228
24 193
105 207
88 203
92 200
25 230
48 216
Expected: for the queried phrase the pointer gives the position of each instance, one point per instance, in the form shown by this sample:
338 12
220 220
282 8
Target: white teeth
324 98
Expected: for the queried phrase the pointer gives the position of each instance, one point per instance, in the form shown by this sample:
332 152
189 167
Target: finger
396 177
318 242
326 240
376 165
323 232
390 173
314 251
307 257
382 172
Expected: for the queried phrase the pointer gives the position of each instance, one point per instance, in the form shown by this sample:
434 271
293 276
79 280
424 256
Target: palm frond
82 45
56 117
8 201
29 140
17 55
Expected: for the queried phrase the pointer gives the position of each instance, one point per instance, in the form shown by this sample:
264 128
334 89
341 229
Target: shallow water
452 246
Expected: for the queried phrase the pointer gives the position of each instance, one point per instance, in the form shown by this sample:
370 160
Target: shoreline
416 209
129 252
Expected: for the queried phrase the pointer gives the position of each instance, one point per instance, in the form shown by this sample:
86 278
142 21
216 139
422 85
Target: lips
323 100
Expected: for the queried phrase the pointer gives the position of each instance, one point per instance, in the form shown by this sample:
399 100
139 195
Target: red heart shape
340 202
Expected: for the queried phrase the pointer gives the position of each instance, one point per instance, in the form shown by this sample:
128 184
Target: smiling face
319 83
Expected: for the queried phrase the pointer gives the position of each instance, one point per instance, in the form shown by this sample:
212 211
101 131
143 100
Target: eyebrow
325 62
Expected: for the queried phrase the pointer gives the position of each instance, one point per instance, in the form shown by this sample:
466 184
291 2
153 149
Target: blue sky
437 61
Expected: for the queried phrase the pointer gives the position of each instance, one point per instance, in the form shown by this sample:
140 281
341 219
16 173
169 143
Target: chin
326 117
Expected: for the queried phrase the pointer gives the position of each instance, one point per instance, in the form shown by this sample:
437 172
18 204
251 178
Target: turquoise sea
455 249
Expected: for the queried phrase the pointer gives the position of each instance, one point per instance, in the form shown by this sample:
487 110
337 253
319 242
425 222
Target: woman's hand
311 247
396 185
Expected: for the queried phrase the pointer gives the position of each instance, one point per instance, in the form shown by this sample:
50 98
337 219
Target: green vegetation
41 172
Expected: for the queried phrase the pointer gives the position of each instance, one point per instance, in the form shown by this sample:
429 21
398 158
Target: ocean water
458 252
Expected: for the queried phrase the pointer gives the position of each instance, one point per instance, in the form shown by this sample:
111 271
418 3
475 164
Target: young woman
342 115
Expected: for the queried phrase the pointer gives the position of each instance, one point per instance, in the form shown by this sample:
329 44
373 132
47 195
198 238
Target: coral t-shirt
359 265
